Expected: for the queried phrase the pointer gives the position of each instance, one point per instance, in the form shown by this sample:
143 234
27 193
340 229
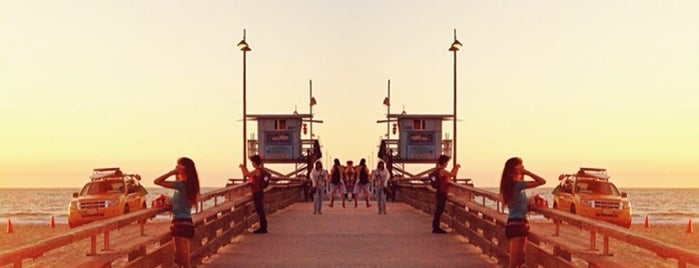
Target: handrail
461 198
620 233
76 234
203 218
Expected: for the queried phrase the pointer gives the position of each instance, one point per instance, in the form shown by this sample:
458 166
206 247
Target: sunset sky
137 84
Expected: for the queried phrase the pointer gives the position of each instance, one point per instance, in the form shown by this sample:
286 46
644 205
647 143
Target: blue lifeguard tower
419 142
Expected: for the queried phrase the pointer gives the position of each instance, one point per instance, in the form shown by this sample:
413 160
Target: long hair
336 162
506 181
362 162
192 183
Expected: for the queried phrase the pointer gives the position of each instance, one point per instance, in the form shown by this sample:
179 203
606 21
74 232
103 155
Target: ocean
36 206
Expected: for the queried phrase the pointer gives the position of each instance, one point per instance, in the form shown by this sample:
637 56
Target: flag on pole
313 101
386 102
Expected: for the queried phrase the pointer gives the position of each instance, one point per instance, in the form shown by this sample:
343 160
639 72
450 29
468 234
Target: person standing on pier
512 186
380 178
319 179
337 185
350 176
444 178
362 183
186 187
255 177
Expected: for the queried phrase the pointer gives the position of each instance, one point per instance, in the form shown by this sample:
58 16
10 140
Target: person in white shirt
380 178
319 180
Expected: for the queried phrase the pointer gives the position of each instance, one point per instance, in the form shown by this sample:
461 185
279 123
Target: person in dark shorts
255 177
512 186
361 185
337 185
184 198
441 192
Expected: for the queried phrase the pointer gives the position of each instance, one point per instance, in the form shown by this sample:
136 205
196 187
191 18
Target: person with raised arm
186 187
512 186
255 178
444 178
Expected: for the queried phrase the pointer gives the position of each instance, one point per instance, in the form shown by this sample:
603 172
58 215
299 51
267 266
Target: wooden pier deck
350 237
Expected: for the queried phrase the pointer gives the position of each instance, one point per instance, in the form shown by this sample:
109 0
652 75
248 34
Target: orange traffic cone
689 226
646 223
9 227
53 222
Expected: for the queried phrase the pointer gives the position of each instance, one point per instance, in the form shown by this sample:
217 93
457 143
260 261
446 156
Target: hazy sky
137 84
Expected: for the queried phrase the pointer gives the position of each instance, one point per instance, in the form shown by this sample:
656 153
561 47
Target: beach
27 234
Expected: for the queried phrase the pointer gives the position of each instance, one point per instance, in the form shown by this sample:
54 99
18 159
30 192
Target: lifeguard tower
419 142
280 141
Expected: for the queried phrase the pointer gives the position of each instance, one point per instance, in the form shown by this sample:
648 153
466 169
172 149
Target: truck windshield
103 187
596 187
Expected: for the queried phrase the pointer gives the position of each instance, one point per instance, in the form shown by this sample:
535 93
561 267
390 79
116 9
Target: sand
27 234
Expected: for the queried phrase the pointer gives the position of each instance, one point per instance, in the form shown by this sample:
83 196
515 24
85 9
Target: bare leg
517 251
182 257
366 196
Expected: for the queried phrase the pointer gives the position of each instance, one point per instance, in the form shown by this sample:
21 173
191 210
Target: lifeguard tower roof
280 138
277 116
422 116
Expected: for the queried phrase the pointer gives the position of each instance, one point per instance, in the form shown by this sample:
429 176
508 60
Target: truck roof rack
598 173
102 173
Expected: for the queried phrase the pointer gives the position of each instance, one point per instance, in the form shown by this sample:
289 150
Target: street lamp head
455 46
243 45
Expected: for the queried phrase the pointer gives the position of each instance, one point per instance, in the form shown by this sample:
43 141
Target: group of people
512 186
341 178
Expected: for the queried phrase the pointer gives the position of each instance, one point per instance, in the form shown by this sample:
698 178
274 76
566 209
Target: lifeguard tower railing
419 142
279 141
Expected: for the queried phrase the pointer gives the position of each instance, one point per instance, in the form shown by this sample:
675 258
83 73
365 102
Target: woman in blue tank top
186 188
512 186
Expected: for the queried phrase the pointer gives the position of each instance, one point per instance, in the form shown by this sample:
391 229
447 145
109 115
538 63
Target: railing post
558 227
605 245
106 241
93 245
593 240
143 227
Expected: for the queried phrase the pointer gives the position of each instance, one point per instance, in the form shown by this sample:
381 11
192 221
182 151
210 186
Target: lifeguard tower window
418 124
280 124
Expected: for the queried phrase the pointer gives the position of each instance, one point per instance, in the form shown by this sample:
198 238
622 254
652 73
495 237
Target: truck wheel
555 205
144 205
572 209
126 209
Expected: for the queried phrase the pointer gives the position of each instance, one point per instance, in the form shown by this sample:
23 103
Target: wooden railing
221 215
478 215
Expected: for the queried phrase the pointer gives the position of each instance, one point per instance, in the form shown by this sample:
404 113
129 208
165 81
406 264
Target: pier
344 237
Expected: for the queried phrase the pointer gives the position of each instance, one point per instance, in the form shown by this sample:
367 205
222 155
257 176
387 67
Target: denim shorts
516 228
182 228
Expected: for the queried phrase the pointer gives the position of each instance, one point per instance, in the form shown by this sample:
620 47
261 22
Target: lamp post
245 48
454 47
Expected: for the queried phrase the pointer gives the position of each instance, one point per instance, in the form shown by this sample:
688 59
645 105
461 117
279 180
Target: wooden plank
538 256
